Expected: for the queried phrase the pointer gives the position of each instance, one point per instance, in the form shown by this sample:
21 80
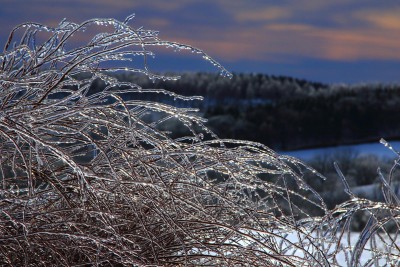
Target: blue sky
348 41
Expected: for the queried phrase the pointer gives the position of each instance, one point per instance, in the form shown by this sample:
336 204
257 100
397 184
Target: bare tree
89 178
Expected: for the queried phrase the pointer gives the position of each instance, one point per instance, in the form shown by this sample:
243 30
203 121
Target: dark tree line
332 116
246 89
284 112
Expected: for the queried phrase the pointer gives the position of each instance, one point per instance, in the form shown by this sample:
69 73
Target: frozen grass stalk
88 178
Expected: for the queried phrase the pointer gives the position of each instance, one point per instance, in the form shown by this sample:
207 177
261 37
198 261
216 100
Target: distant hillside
288 113
244 89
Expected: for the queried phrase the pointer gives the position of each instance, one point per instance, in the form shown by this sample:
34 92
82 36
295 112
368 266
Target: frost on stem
88 177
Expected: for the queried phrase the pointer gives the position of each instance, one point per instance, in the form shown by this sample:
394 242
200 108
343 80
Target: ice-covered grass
90 179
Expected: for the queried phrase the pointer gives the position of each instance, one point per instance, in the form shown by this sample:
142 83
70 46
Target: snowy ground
375 148
343 258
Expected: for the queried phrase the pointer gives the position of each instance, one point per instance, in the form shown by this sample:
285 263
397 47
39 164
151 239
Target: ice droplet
384 142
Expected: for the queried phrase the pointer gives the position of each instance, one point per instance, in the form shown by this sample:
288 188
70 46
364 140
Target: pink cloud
256 30
387 19
264 14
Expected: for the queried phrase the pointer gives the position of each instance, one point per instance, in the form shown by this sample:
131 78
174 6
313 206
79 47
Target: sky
341 41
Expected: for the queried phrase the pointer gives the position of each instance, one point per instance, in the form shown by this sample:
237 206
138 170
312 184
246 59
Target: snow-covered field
375 148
